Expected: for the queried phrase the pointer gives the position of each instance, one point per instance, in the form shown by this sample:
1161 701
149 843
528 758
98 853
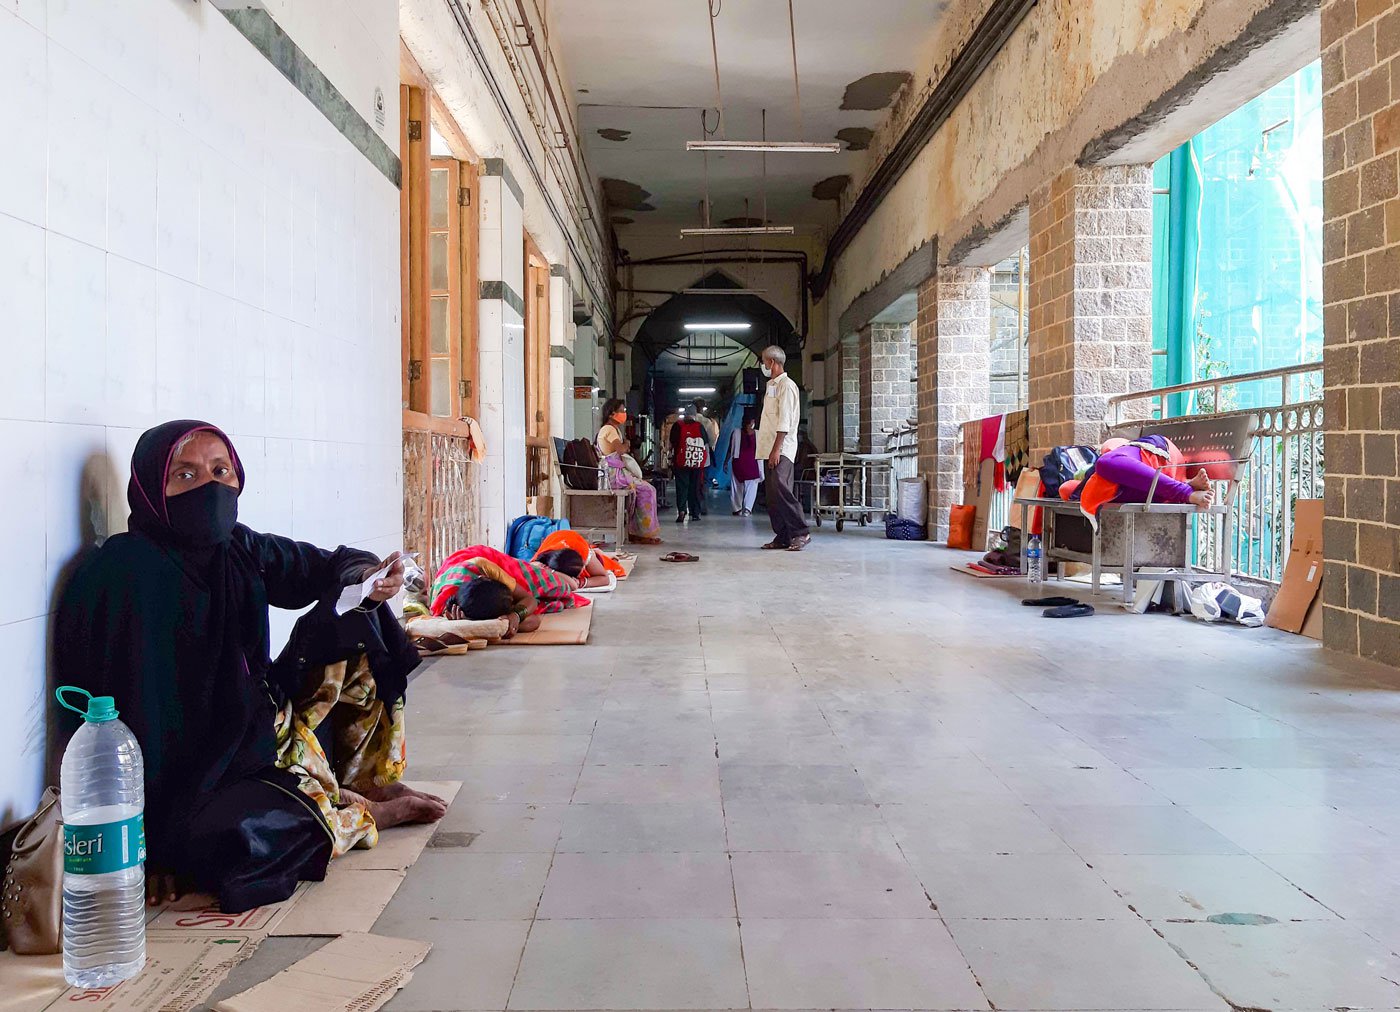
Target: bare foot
399 790
406 811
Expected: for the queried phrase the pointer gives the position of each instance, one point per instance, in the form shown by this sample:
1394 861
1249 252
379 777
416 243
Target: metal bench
589 510
1152 540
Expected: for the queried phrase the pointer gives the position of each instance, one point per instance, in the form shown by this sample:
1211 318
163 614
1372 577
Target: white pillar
501 350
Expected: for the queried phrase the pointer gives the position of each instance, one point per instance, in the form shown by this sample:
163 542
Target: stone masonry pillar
1090 300
850 395
886 366
1361 327
954 356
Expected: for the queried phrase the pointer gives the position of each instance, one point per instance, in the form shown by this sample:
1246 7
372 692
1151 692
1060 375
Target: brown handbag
31 895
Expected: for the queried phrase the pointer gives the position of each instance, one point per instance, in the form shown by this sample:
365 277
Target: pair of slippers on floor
1060 607
679 557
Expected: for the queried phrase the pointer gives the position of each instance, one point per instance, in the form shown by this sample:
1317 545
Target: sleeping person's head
562 560
483 599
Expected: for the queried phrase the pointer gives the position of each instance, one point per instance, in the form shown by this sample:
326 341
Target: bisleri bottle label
108 846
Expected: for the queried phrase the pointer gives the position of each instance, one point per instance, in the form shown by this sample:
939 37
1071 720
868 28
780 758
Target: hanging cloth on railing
994 449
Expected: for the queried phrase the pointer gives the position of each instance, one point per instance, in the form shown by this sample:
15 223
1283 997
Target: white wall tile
76 495
218 199
177 346
22 266
132 163
131 343
75 368
22 594
22 726
80 122
34 12
178 167
24 114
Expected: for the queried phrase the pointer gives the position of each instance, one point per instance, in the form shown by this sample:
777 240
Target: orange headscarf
576 541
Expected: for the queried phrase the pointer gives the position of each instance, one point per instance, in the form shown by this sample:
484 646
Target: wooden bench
1152 540
590 510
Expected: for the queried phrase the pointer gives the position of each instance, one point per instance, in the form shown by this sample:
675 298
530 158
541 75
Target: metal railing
1286 464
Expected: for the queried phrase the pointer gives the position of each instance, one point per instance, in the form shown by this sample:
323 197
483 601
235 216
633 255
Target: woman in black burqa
243 797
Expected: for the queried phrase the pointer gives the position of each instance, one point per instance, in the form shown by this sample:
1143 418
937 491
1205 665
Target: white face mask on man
767 370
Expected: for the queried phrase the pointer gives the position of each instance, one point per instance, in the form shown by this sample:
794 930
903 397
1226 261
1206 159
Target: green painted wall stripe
501 290
559 351
498 167
269 39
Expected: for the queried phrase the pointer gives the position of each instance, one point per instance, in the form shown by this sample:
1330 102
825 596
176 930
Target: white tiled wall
183 234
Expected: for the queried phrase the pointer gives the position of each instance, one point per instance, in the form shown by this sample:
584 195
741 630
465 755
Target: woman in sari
243 798
643 527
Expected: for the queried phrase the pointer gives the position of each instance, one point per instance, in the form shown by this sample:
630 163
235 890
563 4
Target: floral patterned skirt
369 747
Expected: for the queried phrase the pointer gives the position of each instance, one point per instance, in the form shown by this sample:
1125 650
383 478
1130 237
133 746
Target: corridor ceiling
644 72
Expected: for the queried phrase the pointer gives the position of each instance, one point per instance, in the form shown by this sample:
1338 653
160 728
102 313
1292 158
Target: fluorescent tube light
804 147
718 326
690 233
724 291
697 390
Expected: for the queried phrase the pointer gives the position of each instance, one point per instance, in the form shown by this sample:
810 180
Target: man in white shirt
777 444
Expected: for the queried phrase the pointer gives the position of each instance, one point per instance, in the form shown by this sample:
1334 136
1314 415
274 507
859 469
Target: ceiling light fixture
804 147
724 291
697 390
717 326
691 233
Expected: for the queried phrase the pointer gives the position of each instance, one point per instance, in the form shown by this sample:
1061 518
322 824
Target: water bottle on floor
1035 560
104 848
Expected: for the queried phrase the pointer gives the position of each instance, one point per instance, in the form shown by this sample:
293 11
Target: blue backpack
525 533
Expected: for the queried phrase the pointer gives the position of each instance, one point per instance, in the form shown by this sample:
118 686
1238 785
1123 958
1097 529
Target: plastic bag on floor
1219 602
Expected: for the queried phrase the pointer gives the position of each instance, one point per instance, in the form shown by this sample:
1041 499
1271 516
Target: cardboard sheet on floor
563 628
199 913
182 970
401 846
628 563
1302 576
348 901
354 973
967 570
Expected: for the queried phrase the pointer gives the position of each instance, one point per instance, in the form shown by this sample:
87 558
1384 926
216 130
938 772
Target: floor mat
968 570
628 564
563 628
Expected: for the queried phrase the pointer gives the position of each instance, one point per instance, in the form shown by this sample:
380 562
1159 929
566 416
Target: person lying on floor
171 619
526 589
598 566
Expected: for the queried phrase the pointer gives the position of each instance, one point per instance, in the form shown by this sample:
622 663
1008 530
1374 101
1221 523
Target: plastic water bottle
104 848
1035 560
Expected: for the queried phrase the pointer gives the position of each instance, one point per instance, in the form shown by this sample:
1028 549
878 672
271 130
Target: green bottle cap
100 709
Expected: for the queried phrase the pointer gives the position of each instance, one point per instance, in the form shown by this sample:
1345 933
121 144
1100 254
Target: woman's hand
1202 499
390 583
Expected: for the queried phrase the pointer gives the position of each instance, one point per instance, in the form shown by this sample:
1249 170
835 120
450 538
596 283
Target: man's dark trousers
688 490
784 511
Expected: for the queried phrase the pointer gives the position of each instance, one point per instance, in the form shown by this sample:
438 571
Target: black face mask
204 517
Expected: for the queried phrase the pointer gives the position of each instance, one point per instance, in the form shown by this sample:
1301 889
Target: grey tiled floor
853 779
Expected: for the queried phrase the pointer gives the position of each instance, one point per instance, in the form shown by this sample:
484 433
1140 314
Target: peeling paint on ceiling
875 91
626 195
855 138
614 134
831 187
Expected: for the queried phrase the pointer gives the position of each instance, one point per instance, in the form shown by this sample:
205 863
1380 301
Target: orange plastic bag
960 525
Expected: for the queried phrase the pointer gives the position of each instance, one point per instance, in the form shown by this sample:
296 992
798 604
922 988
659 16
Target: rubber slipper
679 557
1049 602
1069 611
773 546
